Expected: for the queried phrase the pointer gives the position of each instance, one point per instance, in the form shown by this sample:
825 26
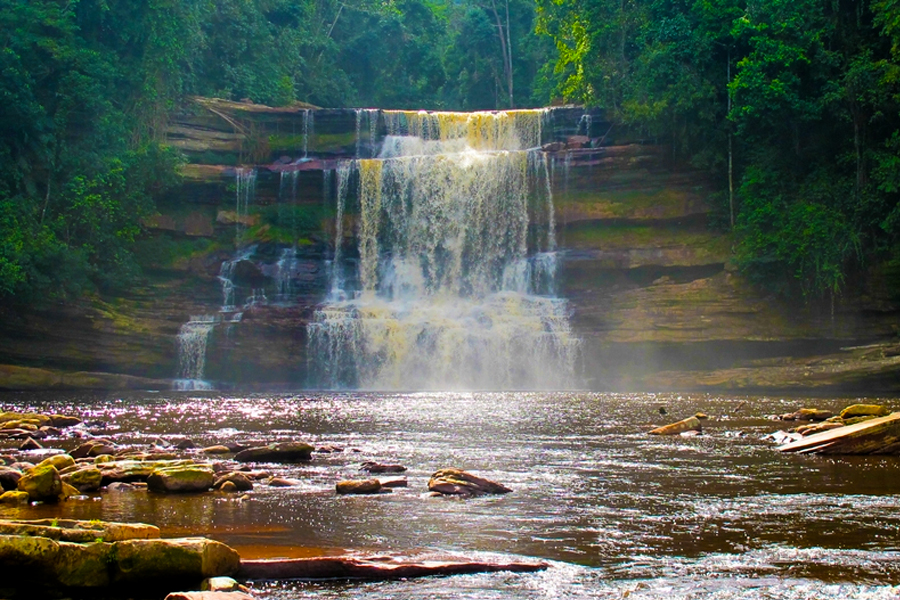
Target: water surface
619 513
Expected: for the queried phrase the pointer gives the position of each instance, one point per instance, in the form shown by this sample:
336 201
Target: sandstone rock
456 482
27 551
393 482
358 486
120 486
860 419
218 449
377 567
63 421
282 482
178 559
689 424
87 479
374 467
68 491
196 224
83 565
14 497
30 444
286 452
70 530
864 410
181 479
808 414
49 431
32 418
60 461
817 428
240 481
220 584
42 484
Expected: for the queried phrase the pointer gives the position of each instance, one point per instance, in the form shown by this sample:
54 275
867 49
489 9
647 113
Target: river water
616 512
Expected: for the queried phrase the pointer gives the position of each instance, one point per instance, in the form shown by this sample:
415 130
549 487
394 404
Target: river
618 513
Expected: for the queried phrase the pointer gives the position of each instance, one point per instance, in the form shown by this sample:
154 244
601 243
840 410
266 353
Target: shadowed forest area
790 106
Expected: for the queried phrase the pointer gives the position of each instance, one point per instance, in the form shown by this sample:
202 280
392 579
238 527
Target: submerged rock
456 482
286 452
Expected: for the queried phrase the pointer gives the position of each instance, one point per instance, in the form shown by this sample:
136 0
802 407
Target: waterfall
308 130
192 339
455 280
245 188
285 269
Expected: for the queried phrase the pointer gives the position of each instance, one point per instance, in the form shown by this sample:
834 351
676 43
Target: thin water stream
619 513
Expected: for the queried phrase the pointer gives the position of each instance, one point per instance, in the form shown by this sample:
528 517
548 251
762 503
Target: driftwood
875 436
376 567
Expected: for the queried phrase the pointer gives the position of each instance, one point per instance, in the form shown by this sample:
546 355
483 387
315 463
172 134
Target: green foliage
799 97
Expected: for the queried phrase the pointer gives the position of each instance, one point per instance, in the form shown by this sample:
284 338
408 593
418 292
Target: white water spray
457 262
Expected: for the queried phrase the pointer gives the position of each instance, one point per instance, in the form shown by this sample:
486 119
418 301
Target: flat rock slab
379 567
875 436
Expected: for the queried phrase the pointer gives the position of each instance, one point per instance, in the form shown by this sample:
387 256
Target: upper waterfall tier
455 131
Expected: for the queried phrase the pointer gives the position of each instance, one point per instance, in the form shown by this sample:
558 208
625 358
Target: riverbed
616 512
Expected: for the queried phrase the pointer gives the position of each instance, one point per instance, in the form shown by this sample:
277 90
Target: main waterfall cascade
455 281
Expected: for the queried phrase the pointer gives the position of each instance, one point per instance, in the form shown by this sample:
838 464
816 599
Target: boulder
87 479
42 484
282 482
181 479
864 410
9 478
71 530
218 449
358 486
180 559
14 497
285 452
812 414
679 427
456 482
60 461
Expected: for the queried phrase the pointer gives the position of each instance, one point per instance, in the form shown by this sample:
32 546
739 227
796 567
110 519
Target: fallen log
378 568
875 436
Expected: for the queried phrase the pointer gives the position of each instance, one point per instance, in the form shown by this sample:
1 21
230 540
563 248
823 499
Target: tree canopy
791 105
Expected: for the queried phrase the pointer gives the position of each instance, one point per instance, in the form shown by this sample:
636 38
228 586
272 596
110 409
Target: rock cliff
651 290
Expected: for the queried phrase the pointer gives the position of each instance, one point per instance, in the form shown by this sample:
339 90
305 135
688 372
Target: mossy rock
864 410
42 483
179 559
59 461
181 479
14 497
83 565
358 486
87 479
27 552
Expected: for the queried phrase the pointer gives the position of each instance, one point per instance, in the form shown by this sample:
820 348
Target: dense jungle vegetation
791 105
